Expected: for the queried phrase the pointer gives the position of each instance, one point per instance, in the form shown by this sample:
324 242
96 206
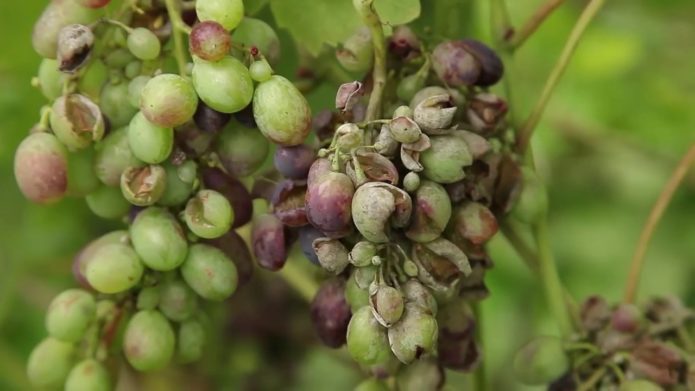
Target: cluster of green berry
161 151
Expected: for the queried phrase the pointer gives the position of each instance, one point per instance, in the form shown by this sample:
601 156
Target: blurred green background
621 118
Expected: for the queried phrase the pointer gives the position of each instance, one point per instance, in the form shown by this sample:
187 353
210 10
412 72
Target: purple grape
330 313
294 162
235 191
307 235
269 245
234 247
210 120
329 204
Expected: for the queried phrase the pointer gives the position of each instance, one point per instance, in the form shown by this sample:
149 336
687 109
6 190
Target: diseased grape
149 341
209 272
209 41
41 168
88 375
168 100
50 362
225 85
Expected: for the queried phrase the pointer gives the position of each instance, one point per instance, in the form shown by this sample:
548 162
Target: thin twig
366 9
533 23
650 226
526 130
522 249
177 27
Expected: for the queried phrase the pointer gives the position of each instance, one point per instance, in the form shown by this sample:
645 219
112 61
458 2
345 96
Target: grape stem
178 26
117 23
655 216
366 9
533 23
527 128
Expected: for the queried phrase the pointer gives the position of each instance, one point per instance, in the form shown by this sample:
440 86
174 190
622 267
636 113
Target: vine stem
366 10
178 27
552 286
526 130
650 226
534 22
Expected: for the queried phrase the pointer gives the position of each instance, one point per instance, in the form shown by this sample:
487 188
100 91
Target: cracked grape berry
209 214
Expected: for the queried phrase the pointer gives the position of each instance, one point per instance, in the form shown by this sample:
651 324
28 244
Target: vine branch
533 23
366 10
526 130
650 226
177 28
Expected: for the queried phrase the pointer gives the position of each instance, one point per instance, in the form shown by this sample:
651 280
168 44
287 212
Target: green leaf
395 12
314 23
252 7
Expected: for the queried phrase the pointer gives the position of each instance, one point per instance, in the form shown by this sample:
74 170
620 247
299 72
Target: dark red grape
330 313
329 204
269 245
236 249
294 162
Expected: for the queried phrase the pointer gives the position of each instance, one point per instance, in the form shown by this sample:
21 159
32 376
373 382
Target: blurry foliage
620 119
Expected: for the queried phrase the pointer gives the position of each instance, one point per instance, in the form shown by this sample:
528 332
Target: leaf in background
252 7
395 12
316 22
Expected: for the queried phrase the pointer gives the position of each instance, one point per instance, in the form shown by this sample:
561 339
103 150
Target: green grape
76 120
119 58
69 315
190 341
177 301
88 375
228 13
367 342
93 79
113 156
50 362
148 298
114 104
256 33
135 90
149 341
51 79
143 186
209 272
82 179
133 69
242 150
168 100
225 86
260 70
144 44
372 384
158 239
177 191
86 255
209 214
55 16
355 296
188 171
150 143
107 202
281 111
114 268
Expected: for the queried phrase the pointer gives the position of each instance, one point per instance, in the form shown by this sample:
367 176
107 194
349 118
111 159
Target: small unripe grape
209 214
93 79
117 59
367 342
177 191
190 341
114 268
133 69
41 168
168 100
113 156
135 88
177 301
260 70
255 33
148 298
209 272
357 52
88 375
281 111
158 239
210 41
82 179
235 192
149 341
56 15
69 315
50 363
228 13
51 79
144 44
150 143
225 85
242 150
108 203
540 361
114 104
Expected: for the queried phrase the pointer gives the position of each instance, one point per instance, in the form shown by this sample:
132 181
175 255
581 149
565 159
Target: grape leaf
314 23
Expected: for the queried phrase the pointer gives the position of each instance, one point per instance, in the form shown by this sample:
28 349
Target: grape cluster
161 151
631 348
397 211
